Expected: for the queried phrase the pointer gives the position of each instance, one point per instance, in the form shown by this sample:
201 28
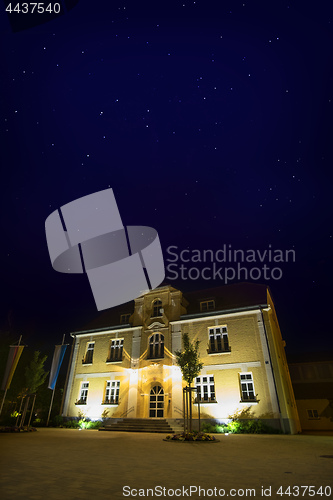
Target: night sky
210 120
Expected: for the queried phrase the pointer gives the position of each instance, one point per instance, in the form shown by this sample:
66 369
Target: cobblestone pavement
69 464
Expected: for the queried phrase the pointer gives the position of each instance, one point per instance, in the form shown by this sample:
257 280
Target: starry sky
210 120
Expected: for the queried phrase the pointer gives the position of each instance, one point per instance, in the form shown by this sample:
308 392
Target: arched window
157 308
156 346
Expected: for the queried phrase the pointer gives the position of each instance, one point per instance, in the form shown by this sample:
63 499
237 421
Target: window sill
215 353
111 361
110 404
205 402
77 403
86 364
249 401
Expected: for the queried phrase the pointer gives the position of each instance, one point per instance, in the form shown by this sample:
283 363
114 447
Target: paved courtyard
70 464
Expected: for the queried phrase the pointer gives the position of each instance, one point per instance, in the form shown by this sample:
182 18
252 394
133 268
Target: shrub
214 428
57 421
71 424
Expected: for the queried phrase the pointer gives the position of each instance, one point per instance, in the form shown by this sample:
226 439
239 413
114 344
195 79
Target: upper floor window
112 392
116 350
157 308
83 394
205 386
156 346
88 358
208 305
247 387
218 339
124 319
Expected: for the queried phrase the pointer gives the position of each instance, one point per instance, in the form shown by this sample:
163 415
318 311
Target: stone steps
139 425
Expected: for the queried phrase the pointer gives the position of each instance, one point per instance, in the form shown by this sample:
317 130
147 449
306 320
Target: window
112 392
218 340
156 346
124 319
312 414
208 305
116 350
205 386
83 394
247 387
88 359
157 308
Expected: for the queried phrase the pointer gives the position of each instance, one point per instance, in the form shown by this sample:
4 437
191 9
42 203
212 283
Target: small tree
35 376
189 362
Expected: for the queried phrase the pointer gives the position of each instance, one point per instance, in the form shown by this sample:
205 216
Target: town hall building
124 366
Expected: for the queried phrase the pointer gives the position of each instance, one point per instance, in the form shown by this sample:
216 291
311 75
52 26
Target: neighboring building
124 362
312 379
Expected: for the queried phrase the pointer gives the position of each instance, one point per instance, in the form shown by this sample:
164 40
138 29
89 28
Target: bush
214 428
71 424
58 421
38 422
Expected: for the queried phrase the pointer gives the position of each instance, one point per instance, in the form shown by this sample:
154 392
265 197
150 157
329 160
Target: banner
58 356
15 352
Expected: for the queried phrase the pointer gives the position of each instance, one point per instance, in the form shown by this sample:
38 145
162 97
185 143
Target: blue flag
58 356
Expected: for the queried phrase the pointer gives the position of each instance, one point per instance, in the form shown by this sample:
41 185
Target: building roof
227 297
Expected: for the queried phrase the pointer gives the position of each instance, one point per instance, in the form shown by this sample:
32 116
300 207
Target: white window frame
247 391
221 339
116 346
205 383
84 389
112 390
89 349
157 341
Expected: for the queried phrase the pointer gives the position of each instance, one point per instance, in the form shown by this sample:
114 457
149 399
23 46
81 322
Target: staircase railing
127 412
178 410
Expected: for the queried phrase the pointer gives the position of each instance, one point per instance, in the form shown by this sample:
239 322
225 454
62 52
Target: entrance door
156 402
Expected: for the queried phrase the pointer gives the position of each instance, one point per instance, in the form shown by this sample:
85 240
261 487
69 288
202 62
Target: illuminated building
124 362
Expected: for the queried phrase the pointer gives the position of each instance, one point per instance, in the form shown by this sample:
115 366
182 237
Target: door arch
156 402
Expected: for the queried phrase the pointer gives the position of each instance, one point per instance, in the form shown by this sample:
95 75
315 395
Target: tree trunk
190 393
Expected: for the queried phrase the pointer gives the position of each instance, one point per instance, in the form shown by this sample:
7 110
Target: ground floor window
83 393
112 392
247 387
205 386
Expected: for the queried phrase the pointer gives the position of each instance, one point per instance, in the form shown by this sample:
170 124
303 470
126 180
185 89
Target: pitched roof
226 297
234 296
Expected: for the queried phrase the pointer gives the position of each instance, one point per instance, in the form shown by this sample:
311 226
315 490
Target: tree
35 374
189 362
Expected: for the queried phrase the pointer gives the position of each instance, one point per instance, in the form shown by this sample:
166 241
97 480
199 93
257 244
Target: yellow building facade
123 365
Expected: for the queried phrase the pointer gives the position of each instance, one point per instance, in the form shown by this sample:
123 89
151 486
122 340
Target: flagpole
4 396
48 417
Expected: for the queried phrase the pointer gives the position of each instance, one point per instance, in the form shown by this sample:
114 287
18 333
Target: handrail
127 412
178 410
